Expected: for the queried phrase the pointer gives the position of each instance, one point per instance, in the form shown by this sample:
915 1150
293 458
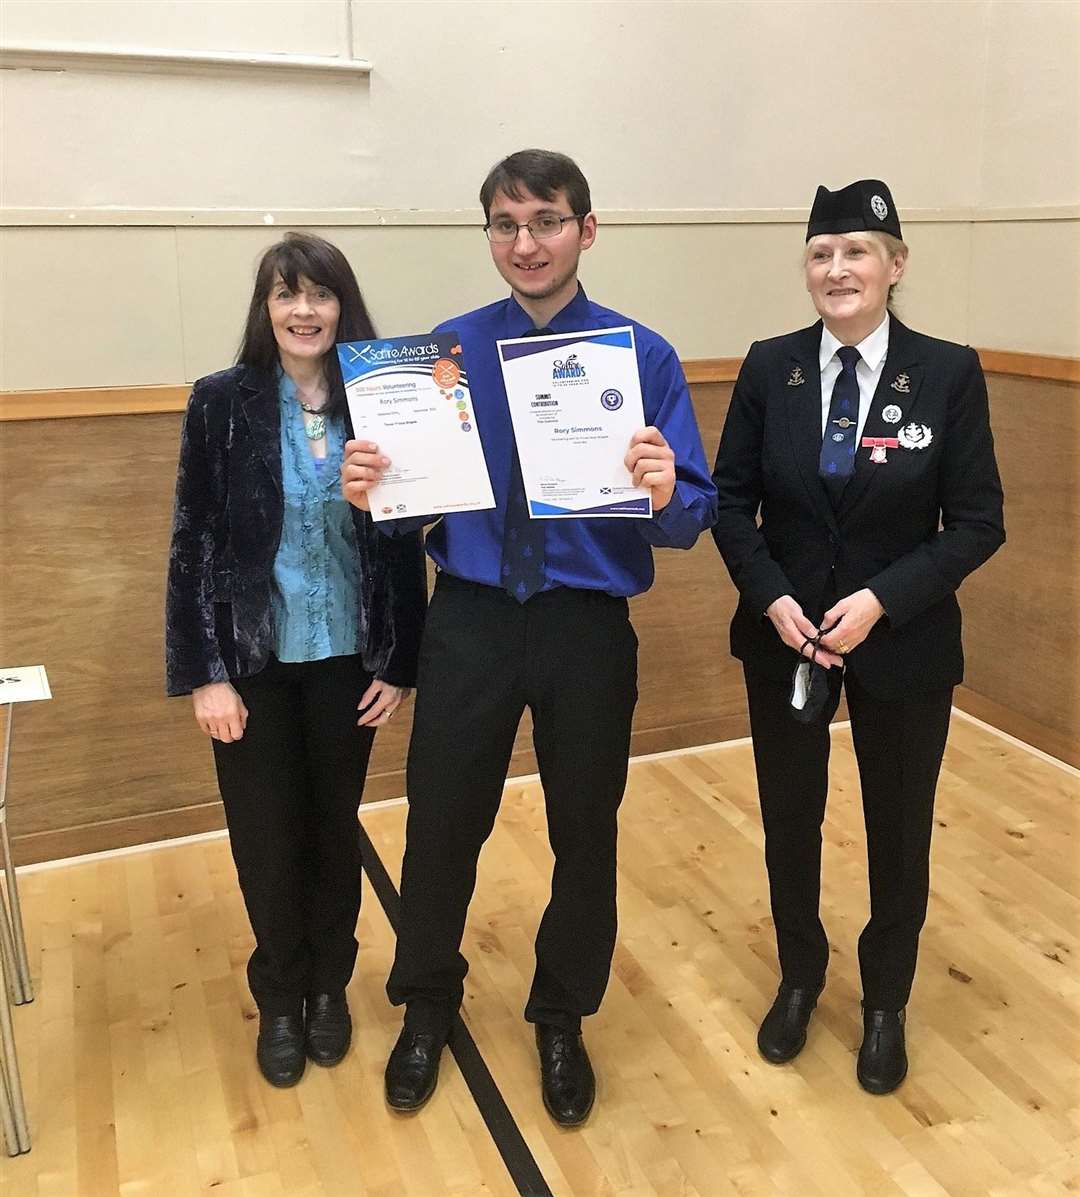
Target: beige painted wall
136 201
151 305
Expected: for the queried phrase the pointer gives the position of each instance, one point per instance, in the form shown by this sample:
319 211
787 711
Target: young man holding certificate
532 611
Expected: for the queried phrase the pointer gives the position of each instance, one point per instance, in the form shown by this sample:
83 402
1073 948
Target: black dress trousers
898 746
291 787
571 657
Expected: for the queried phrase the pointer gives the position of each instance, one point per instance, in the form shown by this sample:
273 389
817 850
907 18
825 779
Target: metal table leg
13 1112
19 982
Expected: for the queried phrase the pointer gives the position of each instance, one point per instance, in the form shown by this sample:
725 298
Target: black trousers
898 747
291 787
571 657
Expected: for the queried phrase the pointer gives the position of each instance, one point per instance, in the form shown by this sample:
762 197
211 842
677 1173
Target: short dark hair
325 265
542 173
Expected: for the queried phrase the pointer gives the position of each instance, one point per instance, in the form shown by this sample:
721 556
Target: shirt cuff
675 527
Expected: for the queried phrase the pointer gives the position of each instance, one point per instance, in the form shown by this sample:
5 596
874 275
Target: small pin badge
796 378
844 422
915 436
902 384
892 414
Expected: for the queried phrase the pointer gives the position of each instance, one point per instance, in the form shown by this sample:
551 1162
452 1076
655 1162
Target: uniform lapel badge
796 378
877 446
901 383
915 436
892 414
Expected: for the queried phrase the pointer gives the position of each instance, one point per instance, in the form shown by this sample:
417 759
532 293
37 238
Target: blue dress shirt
613 555
316 574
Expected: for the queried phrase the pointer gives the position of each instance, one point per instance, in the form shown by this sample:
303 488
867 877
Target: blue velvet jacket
226 529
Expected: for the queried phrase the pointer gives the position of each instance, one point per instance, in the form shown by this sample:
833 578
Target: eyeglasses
503 231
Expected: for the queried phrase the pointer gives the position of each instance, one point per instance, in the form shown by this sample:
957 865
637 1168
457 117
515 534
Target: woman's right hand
361 468
220 711
795 629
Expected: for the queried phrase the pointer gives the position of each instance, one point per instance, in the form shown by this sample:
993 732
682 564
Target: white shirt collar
872 349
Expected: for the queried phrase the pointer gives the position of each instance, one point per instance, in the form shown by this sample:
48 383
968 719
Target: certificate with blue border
410 396
575 402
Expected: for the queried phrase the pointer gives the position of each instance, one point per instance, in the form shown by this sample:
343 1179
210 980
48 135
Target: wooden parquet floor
138 1054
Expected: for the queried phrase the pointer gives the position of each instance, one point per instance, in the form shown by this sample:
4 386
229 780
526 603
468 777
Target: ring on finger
842 647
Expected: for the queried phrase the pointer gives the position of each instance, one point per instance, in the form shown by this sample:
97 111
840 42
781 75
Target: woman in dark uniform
866 450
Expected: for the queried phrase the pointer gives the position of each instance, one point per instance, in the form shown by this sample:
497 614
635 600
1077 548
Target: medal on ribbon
877 446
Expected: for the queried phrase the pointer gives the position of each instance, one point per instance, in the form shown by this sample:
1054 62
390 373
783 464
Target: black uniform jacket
911 528
226 530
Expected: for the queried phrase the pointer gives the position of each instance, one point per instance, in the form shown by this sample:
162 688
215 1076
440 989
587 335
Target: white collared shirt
872 351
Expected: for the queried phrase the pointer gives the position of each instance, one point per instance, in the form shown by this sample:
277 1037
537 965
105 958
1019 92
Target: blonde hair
890 248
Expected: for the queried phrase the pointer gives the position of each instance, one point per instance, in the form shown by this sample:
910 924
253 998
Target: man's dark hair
540 172
326 266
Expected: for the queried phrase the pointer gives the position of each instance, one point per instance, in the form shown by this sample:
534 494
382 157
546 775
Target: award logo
568 373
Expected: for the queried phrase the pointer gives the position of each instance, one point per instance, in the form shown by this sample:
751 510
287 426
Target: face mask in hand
809 692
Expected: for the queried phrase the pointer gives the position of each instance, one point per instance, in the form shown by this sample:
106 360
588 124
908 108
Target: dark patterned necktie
837 461
523 538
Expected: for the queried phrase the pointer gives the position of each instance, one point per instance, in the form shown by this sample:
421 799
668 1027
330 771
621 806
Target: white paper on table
410 395
575 402
24 683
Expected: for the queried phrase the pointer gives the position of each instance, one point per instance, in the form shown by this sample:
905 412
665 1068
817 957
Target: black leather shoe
280 1049
328 1031
413 1069
566 1076
882 1062
782 1034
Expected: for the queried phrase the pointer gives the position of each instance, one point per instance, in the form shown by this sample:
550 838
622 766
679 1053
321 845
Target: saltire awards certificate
410 395
575 401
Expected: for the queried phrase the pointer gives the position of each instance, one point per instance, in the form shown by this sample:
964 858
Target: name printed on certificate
575 401
410 395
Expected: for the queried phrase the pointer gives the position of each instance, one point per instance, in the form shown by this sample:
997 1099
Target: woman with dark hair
286 615
858 489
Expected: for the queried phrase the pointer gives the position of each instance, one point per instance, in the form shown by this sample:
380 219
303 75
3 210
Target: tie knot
849 356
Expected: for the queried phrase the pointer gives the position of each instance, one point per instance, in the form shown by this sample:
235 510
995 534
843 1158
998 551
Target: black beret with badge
865 206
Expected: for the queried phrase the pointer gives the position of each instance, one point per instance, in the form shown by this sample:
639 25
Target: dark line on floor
509 1141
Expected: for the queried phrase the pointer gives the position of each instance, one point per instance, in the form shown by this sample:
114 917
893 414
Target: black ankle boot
782 1034
882 1062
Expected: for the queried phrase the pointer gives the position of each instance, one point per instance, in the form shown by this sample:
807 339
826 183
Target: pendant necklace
316 430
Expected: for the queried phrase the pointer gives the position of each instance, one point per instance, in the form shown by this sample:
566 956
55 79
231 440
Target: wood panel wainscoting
110 762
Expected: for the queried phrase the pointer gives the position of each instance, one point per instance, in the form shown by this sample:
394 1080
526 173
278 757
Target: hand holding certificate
410 397
575 401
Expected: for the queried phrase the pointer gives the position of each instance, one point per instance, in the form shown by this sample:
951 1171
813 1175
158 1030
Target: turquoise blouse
316 575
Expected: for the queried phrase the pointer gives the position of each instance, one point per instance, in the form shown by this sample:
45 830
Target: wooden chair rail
144 400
